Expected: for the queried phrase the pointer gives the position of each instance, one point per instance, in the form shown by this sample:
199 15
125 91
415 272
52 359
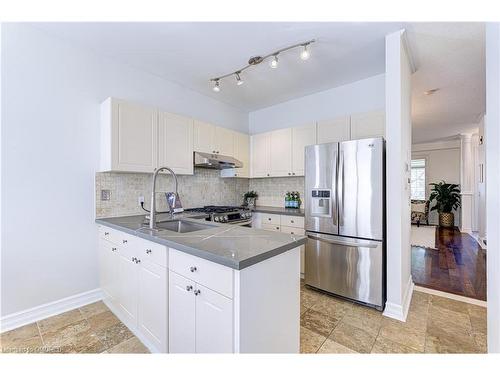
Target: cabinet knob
289 174
291 221
148 251
106 233
124 241
113 249
293 173
277 228
268 175
134 259
269 218
197 291
137 261
193 269
189 288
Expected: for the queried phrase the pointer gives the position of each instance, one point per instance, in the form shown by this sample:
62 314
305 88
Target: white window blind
418 179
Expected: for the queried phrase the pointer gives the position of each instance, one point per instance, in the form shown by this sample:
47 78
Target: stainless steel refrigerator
345 219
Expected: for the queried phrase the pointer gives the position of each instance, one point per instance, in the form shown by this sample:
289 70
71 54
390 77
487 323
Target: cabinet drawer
204 272
275 228
151 251
292 221
270 219
110 235
292 230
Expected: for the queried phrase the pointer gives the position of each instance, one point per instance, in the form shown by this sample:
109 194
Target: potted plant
250 197
447 198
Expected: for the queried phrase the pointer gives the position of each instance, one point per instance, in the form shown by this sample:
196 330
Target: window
418 179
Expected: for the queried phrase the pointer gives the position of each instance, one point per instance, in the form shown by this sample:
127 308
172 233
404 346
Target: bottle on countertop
287 200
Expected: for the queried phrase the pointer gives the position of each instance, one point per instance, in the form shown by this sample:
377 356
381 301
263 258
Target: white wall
361 96
442 163
398 154
51 93
492 140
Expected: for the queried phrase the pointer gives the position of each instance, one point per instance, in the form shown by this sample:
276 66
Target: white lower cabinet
175 302
200 320
133 278
181 314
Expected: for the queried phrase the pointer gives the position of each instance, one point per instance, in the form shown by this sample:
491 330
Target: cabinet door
175 143
224 141
181 314
204 136
301 137
280 160
152 314
128 279
336 130
108 267
134 132
260 155
368 125
242 153
214 322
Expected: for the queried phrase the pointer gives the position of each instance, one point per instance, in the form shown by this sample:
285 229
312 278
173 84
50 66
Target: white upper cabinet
302 136
175 143
368 125
259 153
204 137
213 139
280 155
224 141
242 153
128 136
336 130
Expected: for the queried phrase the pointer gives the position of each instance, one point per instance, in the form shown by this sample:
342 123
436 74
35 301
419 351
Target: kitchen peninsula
200 287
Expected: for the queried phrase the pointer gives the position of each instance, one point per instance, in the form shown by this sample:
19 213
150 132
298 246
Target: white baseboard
400 311
452 296
47 310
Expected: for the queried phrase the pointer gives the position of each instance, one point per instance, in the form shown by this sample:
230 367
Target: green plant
250 194
447 197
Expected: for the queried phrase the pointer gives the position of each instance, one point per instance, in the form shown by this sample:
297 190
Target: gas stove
225 214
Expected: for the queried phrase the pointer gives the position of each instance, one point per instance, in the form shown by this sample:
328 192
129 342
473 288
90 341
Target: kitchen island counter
229 245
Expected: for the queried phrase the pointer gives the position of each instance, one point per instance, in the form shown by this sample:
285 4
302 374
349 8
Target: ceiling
449 56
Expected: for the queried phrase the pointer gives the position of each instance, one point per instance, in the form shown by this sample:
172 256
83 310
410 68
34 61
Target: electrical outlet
140 200
105 195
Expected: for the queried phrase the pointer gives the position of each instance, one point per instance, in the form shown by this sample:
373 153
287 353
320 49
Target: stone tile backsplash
205 187
272 190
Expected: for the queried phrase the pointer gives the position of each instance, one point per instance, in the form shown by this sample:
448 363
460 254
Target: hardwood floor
457 266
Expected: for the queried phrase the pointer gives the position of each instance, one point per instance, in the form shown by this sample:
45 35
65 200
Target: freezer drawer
347 267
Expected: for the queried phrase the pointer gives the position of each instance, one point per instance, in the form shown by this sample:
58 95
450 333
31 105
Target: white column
466 182
492 142
398 149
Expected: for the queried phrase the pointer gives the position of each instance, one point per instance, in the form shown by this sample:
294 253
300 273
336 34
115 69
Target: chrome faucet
171 197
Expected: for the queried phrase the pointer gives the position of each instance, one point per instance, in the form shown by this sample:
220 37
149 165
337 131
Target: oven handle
343 243
241 223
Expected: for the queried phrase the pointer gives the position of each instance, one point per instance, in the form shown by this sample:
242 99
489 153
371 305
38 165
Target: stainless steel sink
182 226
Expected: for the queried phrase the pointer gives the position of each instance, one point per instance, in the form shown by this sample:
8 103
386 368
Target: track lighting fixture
239 81
255 60
274 62
216 87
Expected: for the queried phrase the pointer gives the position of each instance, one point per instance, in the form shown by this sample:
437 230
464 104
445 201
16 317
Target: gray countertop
230 245
279 210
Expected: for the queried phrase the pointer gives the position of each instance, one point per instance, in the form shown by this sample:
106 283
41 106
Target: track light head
274 62
304 55
239 81
216 87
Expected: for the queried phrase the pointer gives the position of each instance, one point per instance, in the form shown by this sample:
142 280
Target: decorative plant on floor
250 197
447 198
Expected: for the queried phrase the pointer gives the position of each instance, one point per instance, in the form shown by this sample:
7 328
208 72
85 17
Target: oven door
348 267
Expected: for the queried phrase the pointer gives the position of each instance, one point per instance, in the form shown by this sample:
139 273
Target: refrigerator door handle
343 243
340 188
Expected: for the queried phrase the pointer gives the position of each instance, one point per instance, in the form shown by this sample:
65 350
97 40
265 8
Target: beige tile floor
328 325
434 325
89 329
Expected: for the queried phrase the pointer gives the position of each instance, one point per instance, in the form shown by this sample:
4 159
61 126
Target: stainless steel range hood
215 161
